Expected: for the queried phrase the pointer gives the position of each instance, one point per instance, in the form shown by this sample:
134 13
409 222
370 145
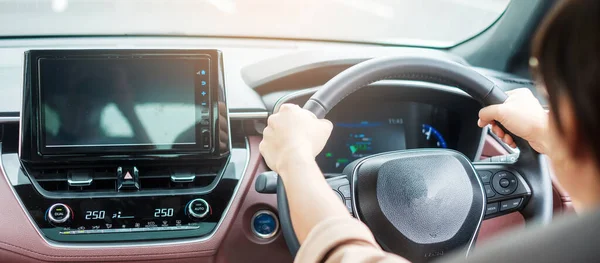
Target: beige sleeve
343 240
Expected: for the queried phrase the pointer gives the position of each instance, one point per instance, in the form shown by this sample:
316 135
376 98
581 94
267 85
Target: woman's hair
566 60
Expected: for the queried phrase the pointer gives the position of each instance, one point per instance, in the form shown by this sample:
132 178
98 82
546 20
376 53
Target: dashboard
258 76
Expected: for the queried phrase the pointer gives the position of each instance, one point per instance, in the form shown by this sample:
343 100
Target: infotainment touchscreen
120 102
100 103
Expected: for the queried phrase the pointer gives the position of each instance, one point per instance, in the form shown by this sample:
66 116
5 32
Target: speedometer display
382 128
433 137
354 140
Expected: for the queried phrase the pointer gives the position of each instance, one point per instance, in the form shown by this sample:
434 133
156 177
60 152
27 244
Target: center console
124 145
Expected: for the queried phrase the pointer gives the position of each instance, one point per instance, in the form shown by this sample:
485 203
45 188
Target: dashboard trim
136 244
9 119
248 115
232 115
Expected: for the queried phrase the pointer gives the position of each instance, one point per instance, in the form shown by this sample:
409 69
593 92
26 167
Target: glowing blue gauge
433 136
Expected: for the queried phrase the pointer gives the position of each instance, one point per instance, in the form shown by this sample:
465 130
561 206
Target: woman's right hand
523 115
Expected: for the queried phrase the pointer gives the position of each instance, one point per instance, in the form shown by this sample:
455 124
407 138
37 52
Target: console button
485 176
265 224
58 213
128 178
205 139
198 208
491 208
510 204
504 182
488 191
345 190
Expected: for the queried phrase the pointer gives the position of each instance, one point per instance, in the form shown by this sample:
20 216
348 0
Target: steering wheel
424 203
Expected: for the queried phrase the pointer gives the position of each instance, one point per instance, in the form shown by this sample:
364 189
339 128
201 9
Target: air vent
105 179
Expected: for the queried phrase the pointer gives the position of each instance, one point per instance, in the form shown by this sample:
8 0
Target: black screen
132 102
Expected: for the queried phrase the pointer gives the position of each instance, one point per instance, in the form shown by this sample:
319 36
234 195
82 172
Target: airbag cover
425 200
420 204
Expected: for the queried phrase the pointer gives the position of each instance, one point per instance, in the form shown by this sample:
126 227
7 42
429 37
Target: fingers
492 113
288 107
498 131
271 121
519 90
482 124
505 137
267 132
508 139
327 124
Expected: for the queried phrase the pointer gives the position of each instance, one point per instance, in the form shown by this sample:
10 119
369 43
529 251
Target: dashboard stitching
203 252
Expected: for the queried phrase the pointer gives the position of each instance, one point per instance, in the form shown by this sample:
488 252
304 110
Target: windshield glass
437 23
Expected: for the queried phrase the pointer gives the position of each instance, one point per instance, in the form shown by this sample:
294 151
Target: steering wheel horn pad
396 194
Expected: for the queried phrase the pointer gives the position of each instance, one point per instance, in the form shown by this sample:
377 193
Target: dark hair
566 60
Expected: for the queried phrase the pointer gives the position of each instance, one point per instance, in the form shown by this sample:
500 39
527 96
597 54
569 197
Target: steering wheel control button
345 190
485 176
265 224
58 213
504 182
489 193
198 208
510 204
491 209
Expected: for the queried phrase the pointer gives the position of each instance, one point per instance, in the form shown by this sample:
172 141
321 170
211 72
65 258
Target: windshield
437 23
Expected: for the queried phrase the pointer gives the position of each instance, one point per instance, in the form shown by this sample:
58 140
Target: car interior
130 132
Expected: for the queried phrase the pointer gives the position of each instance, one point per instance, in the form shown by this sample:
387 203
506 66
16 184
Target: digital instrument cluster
388 127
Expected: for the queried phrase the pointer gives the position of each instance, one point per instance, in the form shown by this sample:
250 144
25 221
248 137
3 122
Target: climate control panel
129 217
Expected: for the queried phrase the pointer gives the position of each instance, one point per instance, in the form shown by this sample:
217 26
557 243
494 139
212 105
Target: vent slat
151 178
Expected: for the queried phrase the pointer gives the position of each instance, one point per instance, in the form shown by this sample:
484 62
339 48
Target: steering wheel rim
539 207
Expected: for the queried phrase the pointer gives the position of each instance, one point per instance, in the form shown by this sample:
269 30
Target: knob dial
58 213
198 208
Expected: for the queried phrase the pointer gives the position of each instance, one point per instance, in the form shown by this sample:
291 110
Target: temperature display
96 214
163 212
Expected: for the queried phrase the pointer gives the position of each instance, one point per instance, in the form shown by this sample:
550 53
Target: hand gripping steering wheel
423 203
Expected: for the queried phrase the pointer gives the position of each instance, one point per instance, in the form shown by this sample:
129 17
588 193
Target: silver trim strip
353 193
9 119
52 243
87 182
248 115
264 236
182 179
232 115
